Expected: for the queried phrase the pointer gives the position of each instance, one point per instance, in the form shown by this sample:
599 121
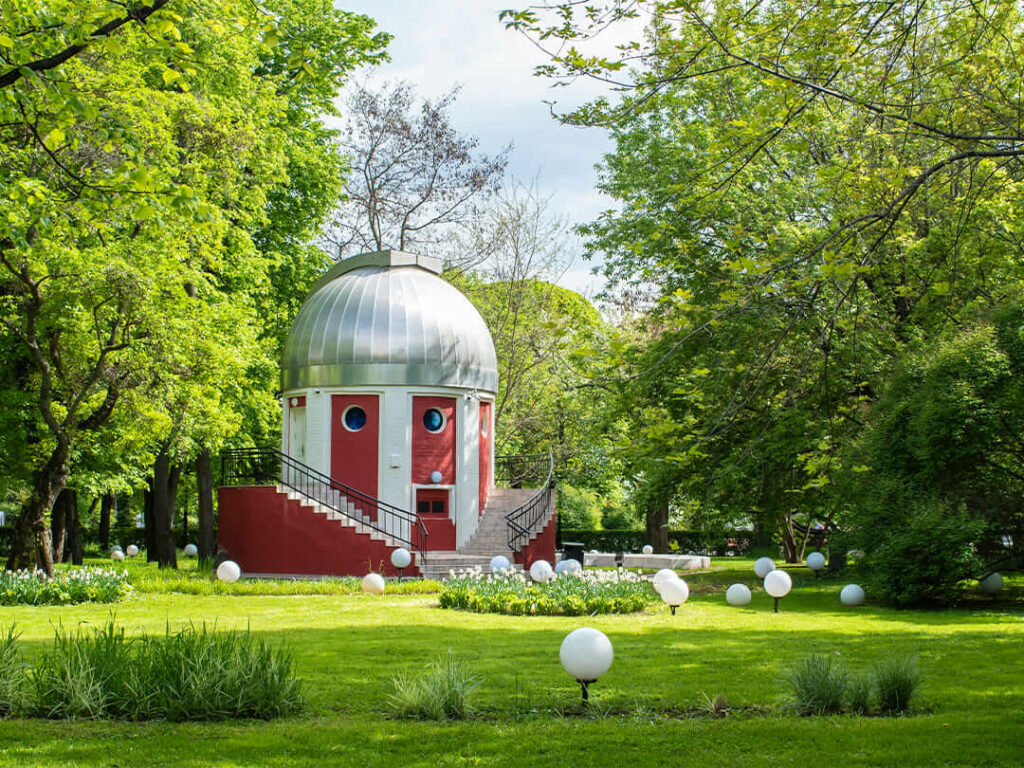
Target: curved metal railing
527 519
271 466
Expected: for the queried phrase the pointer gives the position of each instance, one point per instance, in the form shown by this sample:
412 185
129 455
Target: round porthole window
433 420
354 418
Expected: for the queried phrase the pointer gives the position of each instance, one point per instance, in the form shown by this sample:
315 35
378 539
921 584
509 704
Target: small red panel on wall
432 506
355 423
433 449
485 452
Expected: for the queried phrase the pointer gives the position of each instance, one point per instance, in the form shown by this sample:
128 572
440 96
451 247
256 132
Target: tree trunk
147 519
73 529
107 506
657 527
57 529
165 489
30 542
204 486
790 547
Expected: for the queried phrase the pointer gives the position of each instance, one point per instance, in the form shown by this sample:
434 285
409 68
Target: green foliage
12 675
442 692
65 587
569 594
192 674
578 508
896 682
924 555
819 684
860 694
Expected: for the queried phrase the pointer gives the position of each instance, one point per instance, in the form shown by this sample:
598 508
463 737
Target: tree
135 170
412 173
803 191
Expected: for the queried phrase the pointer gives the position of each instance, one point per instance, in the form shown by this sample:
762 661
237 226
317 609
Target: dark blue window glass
433 420
355 418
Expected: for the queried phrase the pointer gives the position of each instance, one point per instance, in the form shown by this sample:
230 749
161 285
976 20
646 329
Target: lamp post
500 564
401 558
816 561
777 584
586 654
674 592
229 571
541 571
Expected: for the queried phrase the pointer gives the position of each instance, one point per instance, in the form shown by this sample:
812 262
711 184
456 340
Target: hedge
696 542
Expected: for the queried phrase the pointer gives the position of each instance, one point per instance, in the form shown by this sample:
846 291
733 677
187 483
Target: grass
442 692
818 685
348 647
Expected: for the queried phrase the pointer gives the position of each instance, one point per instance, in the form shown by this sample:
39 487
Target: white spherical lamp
570 565
229 572
500 564
815 561
852 594
674 592
436 477
738 595
191 550
648 549
132 550
777 584
586 654
401 558
117 555
541 571
373 584
991 584
763 566
116 548
665 574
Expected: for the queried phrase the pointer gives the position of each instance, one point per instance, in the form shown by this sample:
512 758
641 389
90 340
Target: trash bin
573 549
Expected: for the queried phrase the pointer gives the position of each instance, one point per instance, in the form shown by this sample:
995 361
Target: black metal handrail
524 519
271 466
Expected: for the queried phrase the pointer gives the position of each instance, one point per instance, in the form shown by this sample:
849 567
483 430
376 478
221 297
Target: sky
445 43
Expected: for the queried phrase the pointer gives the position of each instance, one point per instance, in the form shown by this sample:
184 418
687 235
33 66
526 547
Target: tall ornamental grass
76 585
191 674
12 675
567 594
442 692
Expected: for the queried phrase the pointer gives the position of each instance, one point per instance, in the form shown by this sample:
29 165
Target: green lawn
347 647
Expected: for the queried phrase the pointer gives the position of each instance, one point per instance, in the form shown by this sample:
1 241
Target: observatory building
388 383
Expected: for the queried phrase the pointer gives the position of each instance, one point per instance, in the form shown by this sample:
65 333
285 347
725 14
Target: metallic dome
386 318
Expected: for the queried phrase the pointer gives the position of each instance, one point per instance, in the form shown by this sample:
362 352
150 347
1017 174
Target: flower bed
568 594
77 585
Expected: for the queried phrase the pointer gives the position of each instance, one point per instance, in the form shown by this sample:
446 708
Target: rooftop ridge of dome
386 259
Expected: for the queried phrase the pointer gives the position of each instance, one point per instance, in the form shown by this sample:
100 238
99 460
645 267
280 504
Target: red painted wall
485 452
432 451
440 528
354 454
541 548
266 532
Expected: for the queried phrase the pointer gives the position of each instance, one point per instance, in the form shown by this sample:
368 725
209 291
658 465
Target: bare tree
413 175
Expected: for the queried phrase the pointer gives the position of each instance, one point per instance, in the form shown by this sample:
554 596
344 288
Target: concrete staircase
490 538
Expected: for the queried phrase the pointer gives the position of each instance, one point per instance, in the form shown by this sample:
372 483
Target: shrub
75 585
818 685
896 681
569 594
192 674
12 675
440 693
923 559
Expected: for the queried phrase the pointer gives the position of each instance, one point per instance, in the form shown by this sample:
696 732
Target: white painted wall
394 462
